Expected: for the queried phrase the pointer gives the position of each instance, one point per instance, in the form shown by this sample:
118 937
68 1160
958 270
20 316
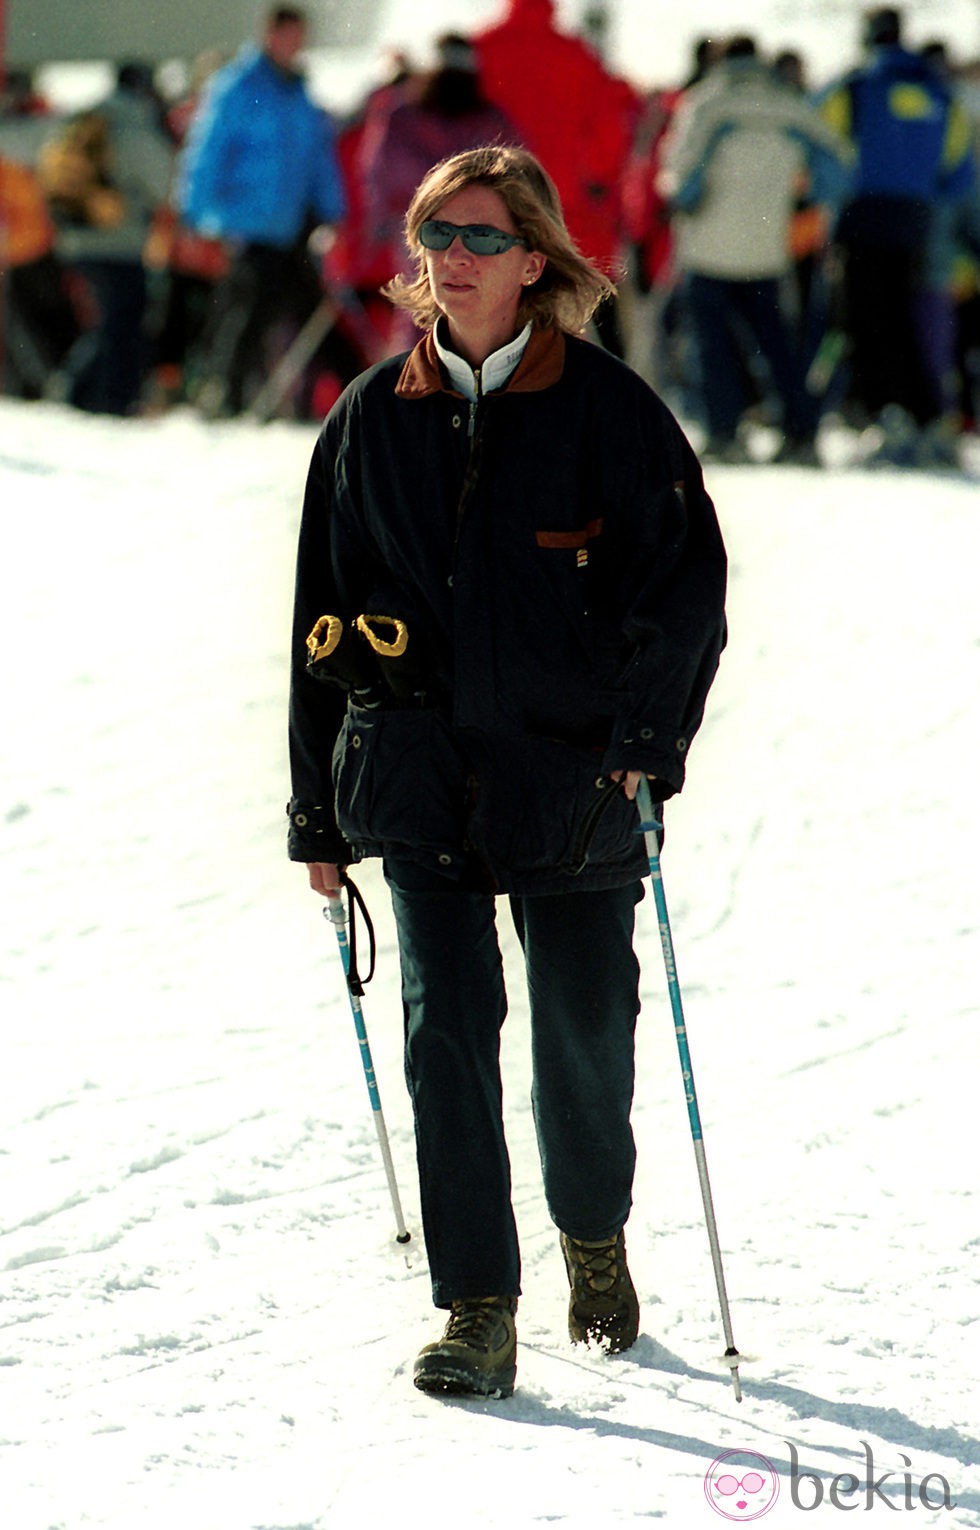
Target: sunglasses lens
485 241
437 236
753 1483
726 1486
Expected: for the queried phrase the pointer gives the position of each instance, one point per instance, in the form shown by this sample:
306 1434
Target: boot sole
612 1343
449 1380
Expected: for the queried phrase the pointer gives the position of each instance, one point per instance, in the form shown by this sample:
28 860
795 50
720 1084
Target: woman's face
480 294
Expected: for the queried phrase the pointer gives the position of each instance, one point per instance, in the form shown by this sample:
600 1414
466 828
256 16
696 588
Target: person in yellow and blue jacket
914 156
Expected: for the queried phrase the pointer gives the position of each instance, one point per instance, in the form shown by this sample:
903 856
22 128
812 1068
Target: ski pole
332 307
334 912
272 392
649 825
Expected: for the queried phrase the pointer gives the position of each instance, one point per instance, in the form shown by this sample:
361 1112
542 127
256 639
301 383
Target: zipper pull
474 403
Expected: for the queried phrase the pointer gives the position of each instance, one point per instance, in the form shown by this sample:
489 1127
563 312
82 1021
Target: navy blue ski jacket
559 567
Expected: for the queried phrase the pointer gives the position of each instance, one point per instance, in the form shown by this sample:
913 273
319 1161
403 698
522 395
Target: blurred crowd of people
780 253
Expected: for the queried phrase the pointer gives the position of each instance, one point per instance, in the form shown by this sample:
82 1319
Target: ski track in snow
204 1317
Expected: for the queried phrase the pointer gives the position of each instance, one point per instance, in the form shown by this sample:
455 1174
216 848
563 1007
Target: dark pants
723 315
884 241
882 288
583 985
41 326
182 310
264 287
107 364
263 284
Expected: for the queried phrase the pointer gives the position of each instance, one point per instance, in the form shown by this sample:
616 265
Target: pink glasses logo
741 1485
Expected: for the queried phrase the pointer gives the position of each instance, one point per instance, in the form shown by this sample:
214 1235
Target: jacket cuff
313 835
660 754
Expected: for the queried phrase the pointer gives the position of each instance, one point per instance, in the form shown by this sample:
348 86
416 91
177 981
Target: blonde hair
568 291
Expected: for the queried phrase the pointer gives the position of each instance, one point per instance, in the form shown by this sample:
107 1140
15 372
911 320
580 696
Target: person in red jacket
575 116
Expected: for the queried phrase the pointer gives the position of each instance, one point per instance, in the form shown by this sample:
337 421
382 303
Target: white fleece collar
493 374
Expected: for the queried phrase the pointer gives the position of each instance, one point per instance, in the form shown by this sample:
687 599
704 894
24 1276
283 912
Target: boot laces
596 1266
474 1323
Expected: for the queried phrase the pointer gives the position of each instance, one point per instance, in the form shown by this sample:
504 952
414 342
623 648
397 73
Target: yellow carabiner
324 638
392 649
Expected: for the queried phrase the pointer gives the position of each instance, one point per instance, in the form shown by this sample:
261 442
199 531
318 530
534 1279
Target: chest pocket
576 540
569 567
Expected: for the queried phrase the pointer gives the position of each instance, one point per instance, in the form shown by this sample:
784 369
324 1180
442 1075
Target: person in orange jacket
40 324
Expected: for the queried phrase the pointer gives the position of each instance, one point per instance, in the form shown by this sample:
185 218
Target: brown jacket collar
540 367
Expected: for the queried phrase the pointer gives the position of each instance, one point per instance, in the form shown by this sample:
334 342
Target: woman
525 530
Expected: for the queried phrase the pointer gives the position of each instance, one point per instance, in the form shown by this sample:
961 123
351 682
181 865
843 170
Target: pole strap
355 900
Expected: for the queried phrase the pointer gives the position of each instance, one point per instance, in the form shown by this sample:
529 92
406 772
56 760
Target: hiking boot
603 1307
477 1354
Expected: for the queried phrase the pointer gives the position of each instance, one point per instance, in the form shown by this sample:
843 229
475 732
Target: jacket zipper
473 461
474 402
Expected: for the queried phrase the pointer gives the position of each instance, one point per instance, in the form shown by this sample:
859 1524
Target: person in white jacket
740 146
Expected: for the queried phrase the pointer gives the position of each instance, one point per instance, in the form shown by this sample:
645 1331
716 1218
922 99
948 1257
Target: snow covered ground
204 1318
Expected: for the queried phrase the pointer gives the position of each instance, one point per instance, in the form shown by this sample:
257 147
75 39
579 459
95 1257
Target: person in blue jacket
260 171
914 147
512 578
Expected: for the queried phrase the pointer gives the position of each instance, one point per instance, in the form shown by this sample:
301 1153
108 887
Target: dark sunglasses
478 238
